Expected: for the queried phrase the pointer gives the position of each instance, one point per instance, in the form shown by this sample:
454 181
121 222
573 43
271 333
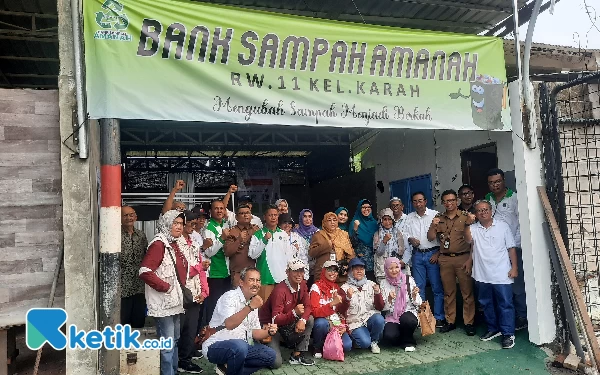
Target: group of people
260 285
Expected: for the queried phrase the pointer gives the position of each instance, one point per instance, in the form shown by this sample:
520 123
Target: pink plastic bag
333 348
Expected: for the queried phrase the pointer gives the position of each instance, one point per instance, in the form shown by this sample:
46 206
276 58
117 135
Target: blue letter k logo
43 325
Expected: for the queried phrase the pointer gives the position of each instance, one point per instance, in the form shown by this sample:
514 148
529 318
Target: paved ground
441 354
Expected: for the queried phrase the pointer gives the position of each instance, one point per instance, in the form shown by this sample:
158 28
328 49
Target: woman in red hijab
329 305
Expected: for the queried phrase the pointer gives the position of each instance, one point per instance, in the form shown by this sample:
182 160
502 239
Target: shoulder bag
426 318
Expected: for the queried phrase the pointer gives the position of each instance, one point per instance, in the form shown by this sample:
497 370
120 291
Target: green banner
192 61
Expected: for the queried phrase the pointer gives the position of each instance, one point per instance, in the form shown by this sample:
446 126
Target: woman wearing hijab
389 242
329 305
282 206
400 308
330 244
163 269
363 230
305 231
343 217
365 322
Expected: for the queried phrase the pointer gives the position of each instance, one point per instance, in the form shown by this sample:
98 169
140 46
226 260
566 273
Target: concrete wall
399 153
30 209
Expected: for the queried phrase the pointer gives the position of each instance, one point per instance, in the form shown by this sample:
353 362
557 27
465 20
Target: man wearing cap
467 198
289 307
272 249
198 285
237 244
244 199
451 228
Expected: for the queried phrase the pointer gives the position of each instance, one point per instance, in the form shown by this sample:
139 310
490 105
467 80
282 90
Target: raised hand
376 289
356 224
179 184
271 328
337 299
472 218
350 293
414 292
268 235
233 188
386 238
256 302
392 296
435 221
299 309
207 243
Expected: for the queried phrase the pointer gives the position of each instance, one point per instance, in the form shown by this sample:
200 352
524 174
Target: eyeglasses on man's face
466 193
483 210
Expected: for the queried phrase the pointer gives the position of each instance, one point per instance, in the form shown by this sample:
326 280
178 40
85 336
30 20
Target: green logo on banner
114 21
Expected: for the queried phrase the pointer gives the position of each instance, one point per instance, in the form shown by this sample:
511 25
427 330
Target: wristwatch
248 304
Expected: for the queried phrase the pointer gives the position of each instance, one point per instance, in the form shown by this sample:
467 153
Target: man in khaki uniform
455 260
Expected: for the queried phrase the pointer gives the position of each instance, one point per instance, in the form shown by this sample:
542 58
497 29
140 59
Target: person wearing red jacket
289 307
329 305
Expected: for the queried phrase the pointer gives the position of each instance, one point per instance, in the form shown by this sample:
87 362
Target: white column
536 260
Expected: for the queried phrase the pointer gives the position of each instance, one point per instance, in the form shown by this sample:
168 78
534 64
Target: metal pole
564 294
515 6
81 116
110 237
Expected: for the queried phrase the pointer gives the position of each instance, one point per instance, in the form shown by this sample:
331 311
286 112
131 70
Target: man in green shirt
272 249
219 281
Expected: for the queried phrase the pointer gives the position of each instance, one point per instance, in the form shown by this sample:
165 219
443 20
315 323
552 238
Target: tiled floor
451 353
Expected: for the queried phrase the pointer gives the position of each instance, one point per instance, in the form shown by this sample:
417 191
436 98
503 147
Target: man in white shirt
425 254
235 347
505 208
245 199
494 269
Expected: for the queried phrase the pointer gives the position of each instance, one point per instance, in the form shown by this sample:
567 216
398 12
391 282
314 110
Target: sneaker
470 329
409 349
508 341
448 327
221 370
520 323
440 323
489 335
375 348
197 355
318 355
189 367
300 359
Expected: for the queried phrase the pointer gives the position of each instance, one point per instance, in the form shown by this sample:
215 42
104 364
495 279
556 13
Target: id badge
335 319
249 338
446 244
332 257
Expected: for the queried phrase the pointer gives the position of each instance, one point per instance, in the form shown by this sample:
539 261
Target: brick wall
31 202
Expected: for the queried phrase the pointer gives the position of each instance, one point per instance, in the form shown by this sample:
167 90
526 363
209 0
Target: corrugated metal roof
29 43
29 28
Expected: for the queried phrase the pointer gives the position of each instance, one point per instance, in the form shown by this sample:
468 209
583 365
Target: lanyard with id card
249 338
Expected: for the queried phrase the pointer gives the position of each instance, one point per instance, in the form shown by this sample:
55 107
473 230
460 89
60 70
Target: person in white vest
163 269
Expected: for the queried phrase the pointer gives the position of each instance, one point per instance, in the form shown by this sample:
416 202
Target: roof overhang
29 29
